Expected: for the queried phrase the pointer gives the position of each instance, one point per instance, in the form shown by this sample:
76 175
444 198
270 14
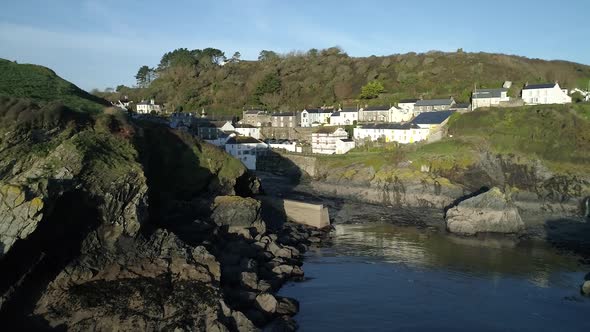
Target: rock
249 280
282 324
489 212
587 276
585 289
283 269
242 323
266 303
287 306
238 214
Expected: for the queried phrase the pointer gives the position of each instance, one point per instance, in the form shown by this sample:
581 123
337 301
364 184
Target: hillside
42 85
330 77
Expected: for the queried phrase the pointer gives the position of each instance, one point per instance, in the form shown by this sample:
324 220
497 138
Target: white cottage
144 107
391 132
330 141
344 117
547 93
315 117
488 97
245 149
247 130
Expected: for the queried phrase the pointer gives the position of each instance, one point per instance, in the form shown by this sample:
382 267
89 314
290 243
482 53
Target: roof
326 130
319 110
432 117
336 114
488 93
253 111
346 140
461 105
377 108
388 126
283 114
539 86
242 140
243 125
349 110
434 102
406 101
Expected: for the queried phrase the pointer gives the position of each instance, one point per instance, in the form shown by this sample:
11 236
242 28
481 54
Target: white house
548 93
407 104
325 141
315 117
344 117
384 114
245 149
343 145
391 132
488 97
247 130
433 105
144 107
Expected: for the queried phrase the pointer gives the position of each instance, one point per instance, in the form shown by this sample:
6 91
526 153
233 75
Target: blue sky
102 43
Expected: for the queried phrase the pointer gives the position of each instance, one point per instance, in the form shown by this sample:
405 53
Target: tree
313 52
144 76
270 84
214 55
372 90
180 57
236 57
267 55
271 101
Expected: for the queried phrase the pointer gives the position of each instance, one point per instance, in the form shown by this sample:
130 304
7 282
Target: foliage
145 76
43 86
372 90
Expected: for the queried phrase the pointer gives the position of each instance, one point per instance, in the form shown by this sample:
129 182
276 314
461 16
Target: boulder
287 306
266 303
586 288
489 212
238 214
249 280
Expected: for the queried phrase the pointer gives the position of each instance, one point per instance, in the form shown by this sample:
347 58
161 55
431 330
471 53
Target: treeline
188 80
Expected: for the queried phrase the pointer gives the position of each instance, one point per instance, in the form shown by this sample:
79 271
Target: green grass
42 85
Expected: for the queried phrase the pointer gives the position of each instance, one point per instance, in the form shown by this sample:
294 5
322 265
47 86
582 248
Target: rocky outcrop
488 212
238 214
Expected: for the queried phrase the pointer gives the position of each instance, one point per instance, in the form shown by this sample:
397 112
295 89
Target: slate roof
434 102
254 112
462 105
488 93
432 117
243 125
347 140
405 101
377 108
349 110
389 126
336 114
539 86
319 110
242 140
283 114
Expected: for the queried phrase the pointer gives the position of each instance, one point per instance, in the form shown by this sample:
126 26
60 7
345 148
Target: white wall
545 96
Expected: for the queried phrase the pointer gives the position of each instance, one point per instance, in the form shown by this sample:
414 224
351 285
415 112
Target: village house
285 119
384 114
144 107
403 133
330 140
432 105
256 118
407 104
548 93
315 117
344 117
246 149
489 97
211 130
247 130
289 146
432 120
180 120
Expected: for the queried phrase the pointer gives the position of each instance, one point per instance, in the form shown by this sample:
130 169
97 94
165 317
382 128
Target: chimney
152 101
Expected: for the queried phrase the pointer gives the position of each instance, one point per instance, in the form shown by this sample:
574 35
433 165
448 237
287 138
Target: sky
102 43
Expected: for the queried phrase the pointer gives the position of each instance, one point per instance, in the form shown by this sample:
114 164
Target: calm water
387 278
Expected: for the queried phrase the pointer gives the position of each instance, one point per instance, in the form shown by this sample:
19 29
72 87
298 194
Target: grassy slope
558 135
333 79
42 85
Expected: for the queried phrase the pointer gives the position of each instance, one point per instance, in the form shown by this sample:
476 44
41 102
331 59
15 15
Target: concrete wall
315 215
287 164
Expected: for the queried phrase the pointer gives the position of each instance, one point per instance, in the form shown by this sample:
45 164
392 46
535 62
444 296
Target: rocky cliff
111 224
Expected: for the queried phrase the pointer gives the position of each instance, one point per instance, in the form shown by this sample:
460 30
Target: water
388 278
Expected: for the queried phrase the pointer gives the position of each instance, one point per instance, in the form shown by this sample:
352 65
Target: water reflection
423 248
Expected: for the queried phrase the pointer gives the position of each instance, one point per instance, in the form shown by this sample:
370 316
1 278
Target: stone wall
298 133
287 164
